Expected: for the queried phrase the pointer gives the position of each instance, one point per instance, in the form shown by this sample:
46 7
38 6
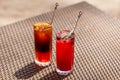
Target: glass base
42 63
64 72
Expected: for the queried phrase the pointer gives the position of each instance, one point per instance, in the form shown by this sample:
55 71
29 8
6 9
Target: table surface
97 46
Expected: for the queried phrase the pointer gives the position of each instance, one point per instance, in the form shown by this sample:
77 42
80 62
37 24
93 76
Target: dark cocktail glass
43 43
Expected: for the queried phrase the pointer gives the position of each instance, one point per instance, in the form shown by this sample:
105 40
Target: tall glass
64 53
43 43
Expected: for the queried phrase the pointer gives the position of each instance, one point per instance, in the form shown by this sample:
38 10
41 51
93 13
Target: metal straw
56 5
67 35
80 13
71 32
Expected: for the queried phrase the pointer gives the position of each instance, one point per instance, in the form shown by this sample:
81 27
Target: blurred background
15 10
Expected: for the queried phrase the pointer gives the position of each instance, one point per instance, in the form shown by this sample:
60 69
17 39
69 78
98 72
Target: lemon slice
67 35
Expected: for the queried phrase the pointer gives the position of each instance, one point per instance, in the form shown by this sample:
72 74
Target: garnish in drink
65 50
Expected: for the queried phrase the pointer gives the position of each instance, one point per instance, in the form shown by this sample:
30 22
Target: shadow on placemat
53 76
28 71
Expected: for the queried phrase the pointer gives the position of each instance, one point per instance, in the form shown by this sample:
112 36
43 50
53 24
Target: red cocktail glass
64 53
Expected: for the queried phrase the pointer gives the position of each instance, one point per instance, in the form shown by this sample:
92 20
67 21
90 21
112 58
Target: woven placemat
97 46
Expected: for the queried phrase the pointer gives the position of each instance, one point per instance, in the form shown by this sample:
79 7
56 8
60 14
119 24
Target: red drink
43 43
64 53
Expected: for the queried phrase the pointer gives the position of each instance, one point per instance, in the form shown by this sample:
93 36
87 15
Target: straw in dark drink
56 5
